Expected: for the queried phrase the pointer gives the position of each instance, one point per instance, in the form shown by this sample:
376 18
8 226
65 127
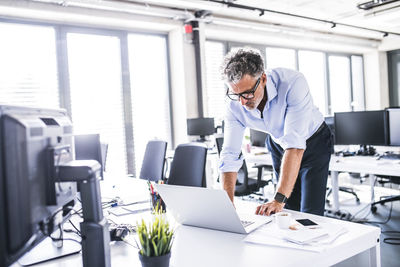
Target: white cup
283 219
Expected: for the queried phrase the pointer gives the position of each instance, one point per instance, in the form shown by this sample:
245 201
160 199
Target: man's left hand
270 208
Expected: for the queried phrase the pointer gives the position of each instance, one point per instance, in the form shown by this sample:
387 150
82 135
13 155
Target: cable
137 247
377 222
79 232
391 240
390 232
61 237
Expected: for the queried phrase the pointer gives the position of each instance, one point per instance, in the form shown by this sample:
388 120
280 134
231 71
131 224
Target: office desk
357 164
360 164
197 247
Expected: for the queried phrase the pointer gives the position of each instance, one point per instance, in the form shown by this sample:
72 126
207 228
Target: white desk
356 164
201 247
360 164
197 247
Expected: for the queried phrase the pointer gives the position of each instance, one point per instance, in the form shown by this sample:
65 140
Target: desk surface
365 164
202 247
357 164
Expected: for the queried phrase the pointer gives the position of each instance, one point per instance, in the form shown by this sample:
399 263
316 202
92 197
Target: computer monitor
361 128
257 138
201 127
394 126
88 146
30 199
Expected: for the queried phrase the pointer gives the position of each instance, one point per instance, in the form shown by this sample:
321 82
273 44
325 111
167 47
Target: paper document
316 240
130 209
305 236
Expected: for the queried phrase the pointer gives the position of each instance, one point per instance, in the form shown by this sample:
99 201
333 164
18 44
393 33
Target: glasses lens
247 96
233 97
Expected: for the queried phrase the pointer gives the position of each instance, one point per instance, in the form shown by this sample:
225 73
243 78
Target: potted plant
155 241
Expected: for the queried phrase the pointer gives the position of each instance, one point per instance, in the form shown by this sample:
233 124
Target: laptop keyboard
246 223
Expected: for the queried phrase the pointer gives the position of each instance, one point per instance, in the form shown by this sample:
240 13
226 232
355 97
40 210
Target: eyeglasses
246 95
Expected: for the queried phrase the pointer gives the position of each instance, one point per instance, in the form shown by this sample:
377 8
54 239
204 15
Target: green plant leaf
155 248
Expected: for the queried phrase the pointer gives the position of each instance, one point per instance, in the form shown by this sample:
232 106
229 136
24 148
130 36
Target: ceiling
314 18
385 18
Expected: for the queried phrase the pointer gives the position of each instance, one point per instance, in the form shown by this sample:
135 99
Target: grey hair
241 61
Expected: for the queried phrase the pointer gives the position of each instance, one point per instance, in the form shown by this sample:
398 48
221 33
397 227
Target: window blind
28 66
148 65
96 93
215 88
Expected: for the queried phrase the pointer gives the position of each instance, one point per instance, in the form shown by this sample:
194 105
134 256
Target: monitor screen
200 126
394 126
88 146
361 128
29 196
257 138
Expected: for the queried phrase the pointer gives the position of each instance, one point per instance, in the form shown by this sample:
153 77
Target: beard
250 106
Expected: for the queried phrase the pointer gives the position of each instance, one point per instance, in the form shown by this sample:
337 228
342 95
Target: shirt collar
271 91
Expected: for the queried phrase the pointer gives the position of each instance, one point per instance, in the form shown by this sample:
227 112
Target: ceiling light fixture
374 3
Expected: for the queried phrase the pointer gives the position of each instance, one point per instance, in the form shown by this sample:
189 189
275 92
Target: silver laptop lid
202 207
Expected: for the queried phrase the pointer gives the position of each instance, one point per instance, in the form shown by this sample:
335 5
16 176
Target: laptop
207 208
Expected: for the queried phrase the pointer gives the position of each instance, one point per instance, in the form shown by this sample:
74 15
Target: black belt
323 125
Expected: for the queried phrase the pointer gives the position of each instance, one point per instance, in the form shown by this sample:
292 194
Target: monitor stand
366 150
47 250
202 139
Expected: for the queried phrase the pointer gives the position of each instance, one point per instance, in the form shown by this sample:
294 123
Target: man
277 102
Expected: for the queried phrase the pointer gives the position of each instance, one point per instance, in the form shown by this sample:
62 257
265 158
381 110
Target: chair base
383 201
346 190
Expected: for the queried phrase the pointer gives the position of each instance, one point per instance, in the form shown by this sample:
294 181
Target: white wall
178 85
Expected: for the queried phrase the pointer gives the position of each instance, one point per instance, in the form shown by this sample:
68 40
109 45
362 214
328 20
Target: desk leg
372 179
335 190
375 256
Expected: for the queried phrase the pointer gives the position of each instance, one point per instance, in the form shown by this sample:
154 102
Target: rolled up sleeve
298 114
230 158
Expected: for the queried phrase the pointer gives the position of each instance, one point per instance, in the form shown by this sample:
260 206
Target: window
280 58
107 80
358 83
215 88
336 82
96 93
312 65
28 66
148 66
339 83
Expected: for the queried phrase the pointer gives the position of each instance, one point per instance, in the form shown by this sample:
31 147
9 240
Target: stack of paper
311 239
305 236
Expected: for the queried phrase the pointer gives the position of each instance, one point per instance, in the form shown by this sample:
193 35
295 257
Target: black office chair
244 184
153 161
188 165
385 199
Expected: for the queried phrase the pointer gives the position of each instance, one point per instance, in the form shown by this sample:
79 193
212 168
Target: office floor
390 254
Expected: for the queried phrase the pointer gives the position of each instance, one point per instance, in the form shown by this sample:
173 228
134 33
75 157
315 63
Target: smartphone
307 222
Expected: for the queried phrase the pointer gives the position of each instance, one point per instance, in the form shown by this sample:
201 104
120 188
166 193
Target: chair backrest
242 177
188 165
153 161
219 141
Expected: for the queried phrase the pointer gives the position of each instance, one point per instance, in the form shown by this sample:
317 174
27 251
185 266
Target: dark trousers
309 191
